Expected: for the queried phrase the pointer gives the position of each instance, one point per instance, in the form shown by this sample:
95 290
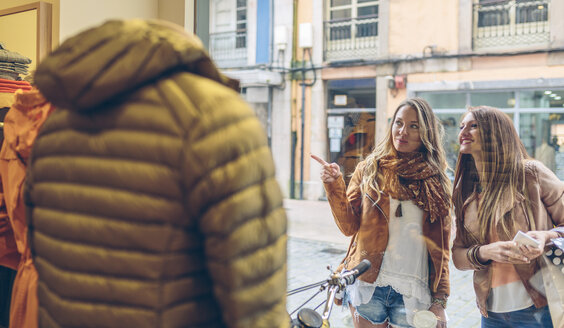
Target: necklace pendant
398 211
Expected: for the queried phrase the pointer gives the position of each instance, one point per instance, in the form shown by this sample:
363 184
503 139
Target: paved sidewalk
315 242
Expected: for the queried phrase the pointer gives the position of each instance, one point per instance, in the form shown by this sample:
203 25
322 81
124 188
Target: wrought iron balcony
502 24
352 38
229 49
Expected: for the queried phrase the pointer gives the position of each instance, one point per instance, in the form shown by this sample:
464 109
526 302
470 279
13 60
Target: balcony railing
229 49
502 24
353 38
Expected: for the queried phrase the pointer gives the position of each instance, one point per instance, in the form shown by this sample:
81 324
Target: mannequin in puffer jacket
151 194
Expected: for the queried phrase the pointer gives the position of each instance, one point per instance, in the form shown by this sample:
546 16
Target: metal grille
353 38
510 23
229 49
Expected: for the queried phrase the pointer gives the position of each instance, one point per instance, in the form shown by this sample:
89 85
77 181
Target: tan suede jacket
546 194
358 216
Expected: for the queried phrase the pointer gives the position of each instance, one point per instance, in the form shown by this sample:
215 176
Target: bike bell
309 318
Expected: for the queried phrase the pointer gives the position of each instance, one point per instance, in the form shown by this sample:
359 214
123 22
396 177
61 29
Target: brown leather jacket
546 194
358 216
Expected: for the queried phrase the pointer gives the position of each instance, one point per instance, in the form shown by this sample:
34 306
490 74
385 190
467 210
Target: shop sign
340 100
335 145
335 133
336 122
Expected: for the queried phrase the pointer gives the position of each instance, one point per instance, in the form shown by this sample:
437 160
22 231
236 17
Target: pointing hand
330 172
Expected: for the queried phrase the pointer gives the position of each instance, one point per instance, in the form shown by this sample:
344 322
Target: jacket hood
119 56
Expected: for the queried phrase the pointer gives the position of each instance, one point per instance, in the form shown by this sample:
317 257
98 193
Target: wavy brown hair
503 173
431 132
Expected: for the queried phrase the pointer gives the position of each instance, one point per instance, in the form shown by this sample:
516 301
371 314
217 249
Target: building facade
326 75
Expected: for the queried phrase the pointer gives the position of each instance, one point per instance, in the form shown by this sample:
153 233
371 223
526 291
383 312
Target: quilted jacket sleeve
233 194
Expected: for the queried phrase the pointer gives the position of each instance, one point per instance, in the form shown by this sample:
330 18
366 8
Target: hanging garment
9 257
21 125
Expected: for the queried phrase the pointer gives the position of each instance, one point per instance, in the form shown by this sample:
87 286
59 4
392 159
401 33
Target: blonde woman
396 209
498 191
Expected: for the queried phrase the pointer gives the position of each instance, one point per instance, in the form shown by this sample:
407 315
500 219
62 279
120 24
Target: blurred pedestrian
151 190
498 191
399 191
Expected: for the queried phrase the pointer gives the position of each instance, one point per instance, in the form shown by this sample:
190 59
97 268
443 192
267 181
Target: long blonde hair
431 132
503 173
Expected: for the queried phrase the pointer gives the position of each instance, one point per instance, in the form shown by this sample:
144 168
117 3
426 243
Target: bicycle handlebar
308 318
350 276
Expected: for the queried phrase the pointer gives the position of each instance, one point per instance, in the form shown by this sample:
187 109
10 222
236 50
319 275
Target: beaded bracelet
441 301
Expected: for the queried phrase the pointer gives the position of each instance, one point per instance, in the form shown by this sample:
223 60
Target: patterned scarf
410 177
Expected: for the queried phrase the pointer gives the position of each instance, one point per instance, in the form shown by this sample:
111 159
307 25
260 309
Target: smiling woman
399 191
500 190
469 136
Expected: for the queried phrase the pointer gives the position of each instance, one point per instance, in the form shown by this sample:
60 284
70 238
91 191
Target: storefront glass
445 100
538 116
541 99
543 136
493 99
351 119
451 122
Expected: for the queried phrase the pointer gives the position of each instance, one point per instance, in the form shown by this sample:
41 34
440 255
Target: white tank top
405 265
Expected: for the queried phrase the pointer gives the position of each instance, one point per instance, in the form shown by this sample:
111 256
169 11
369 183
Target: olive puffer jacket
151 194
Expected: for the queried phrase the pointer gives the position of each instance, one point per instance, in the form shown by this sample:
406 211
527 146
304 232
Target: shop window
444 100
493 99
451 123
543 136
538 113
542 99
351 122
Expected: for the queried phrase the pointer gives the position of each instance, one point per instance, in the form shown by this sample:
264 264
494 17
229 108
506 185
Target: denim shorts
530 317
385 304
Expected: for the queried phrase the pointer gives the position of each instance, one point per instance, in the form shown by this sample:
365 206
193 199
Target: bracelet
440 301
559 232
478 259
472 255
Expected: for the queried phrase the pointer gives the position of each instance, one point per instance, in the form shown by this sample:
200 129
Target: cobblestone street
315 242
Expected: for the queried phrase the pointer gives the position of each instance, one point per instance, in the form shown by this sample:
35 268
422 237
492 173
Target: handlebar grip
357 271
362 267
